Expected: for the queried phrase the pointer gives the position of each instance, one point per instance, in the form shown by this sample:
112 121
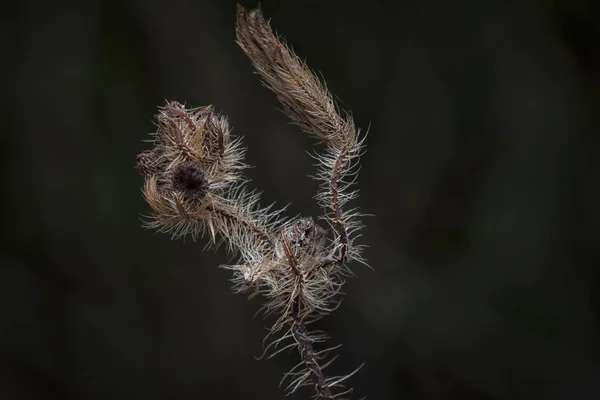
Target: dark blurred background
482 173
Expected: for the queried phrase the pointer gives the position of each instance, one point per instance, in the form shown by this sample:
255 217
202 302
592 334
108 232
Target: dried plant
194 185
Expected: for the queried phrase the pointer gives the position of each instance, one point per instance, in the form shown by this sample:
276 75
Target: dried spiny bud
190 180
147 162
303 235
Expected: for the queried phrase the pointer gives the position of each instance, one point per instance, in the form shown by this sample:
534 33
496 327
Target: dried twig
194 185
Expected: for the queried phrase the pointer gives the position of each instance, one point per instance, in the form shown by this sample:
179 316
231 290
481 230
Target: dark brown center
189 179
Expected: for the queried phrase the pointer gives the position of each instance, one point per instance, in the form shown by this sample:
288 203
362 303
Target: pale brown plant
195 186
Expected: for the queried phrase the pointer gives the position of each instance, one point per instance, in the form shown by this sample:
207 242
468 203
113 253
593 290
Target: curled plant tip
306 101
194 185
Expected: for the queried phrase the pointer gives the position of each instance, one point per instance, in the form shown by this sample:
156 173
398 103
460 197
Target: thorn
211 229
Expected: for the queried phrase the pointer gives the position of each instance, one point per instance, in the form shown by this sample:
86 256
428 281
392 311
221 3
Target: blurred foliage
482 175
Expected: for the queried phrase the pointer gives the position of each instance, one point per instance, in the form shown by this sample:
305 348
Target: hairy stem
309 358
336 204
236 220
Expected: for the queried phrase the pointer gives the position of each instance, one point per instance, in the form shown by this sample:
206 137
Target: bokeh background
482 175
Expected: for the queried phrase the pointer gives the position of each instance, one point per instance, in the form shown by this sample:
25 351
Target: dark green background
482 174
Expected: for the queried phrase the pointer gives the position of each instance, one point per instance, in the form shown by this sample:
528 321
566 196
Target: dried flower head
194 165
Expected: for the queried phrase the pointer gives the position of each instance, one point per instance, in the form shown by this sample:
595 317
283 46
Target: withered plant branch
194 184
298 328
